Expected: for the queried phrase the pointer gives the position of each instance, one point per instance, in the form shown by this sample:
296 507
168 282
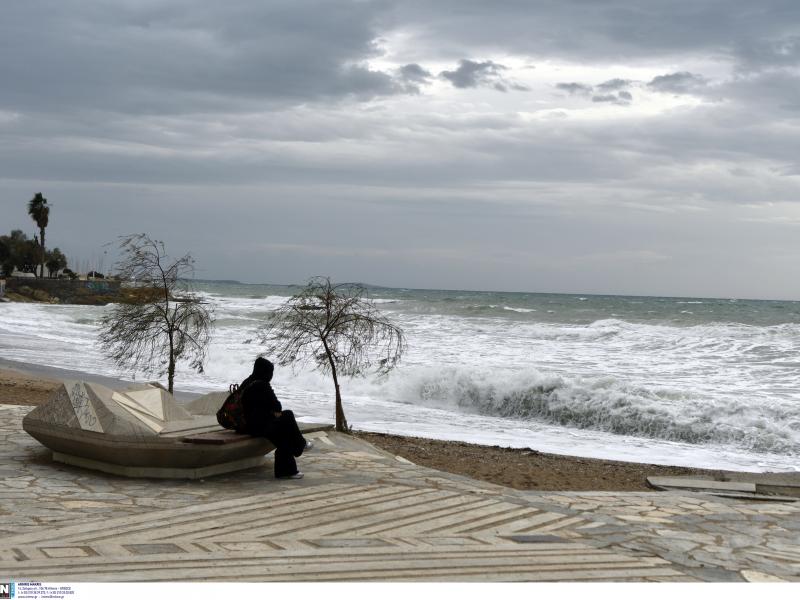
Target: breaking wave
607 405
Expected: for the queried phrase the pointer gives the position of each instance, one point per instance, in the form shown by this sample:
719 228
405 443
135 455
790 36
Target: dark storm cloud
757 35
318 126
781 51
75 98
678 83
179 56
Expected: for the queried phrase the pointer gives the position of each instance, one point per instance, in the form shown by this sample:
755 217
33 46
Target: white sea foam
519 310
604 404
713 394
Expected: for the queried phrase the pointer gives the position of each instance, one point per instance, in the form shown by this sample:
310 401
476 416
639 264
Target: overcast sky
594 146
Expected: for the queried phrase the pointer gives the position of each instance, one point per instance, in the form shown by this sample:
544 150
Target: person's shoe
309 445
298 475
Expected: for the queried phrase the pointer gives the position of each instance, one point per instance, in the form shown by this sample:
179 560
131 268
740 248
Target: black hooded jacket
258 399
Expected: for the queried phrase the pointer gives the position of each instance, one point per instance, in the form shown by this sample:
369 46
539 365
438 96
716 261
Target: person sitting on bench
265 417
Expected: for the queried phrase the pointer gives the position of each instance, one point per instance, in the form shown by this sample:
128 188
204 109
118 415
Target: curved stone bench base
160 472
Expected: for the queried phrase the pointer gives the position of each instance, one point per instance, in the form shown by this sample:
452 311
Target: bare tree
335 328
169 323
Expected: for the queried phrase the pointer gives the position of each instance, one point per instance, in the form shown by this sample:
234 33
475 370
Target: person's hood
262 369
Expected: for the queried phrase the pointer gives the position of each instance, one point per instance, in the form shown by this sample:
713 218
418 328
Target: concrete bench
141 432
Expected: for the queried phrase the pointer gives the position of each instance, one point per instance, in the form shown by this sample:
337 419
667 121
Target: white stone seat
140 432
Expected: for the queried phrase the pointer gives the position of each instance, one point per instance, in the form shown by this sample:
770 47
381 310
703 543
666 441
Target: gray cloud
470 74
620 98
775 93
610 30
611 91
755 54
613 85
575 89
678 83
159 57
414 72
412 76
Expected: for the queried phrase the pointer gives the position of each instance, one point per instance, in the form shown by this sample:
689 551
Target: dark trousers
289 442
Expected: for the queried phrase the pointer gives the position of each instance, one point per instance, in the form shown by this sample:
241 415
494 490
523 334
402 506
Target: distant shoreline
24 384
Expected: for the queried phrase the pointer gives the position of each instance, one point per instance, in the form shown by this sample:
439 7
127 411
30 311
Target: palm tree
40 212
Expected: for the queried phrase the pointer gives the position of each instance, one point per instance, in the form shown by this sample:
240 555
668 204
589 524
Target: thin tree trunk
170 331
171 368
41 269
341 421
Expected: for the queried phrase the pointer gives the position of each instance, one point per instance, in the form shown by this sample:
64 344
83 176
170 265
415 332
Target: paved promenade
361 514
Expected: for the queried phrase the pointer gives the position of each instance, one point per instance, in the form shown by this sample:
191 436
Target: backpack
231 414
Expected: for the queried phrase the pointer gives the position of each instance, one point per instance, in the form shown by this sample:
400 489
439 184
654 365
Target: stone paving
364 515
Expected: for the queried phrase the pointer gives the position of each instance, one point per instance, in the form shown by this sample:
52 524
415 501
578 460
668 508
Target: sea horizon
371 286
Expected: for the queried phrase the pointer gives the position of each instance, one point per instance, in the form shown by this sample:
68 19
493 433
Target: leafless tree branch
170 325
335 328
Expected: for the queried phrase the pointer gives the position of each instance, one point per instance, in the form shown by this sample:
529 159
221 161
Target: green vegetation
54 260
17 251
25 255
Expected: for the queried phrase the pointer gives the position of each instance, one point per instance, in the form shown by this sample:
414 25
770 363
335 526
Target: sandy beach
517 468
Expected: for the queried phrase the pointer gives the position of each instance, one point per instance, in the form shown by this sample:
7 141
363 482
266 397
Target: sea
702 382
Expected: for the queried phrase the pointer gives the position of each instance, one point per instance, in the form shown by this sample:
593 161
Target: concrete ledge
685 483
160 472
779 489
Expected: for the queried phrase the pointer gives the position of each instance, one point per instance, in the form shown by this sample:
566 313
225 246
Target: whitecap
519 310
